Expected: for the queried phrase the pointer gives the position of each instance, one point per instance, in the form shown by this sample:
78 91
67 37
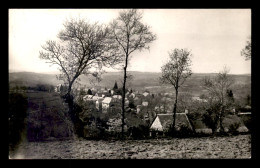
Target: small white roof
145 94
107 100
117 96
95 97
145 103
87 96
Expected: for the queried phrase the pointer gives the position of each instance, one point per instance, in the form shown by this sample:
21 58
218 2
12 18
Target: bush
91 131
232 122
233 127
184 131
139 132
181 131
247 121
94 132
211 117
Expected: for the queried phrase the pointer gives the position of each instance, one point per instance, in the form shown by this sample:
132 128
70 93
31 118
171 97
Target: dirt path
214 147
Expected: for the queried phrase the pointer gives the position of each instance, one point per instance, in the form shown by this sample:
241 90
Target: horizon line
16 71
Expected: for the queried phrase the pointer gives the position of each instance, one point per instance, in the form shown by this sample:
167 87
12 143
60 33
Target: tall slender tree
130 34
175 72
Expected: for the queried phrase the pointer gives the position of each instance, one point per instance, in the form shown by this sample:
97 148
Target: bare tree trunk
69 99
221 120
174 111
123 102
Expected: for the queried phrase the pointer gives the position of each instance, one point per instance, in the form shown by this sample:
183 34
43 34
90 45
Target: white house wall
157 125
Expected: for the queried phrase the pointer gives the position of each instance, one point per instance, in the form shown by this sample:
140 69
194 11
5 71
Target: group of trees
83 48
38 87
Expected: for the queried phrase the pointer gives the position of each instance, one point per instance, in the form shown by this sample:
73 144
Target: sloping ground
47 117
205 147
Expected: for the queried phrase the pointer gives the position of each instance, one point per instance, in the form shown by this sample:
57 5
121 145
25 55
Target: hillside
139 81
31 79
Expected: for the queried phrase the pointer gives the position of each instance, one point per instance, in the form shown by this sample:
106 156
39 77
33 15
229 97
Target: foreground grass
205 147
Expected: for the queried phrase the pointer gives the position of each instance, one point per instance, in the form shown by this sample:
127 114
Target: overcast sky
214 36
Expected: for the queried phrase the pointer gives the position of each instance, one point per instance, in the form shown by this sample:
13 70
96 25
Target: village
146 108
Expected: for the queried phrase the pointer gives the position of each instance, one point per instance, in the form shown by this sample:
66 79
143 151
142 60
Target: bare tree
130 34
246 52
81 48
175 72
218 88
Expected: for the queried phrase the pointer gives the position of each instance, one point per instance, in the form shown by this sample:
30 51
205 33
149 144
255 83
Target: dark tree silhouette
129 34
115 86
89 92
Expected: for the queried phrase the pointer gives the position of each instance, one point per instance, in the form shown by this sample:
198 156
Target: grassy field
189 148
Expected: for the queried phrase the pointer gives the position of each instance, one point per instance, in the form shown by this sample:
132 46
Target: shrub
232 123
180 131
184 131
247 121
233 127
94 132
139 132
91 131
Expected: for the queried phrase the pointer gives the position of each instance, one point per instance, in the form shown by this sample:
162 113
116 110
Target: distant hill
31 79
139 80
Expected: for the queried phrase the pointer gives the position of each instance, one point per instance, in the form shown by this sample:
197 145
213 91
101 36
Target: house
117 96
99 104
99 94
163 122
145 103
95 98
111 92
196 98
126 102
146 93
87 97
132 95
159 108
106 104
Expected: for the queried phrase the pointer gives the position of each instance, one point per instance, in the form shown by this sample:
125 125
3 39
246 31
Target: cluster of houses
106 100
109 100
